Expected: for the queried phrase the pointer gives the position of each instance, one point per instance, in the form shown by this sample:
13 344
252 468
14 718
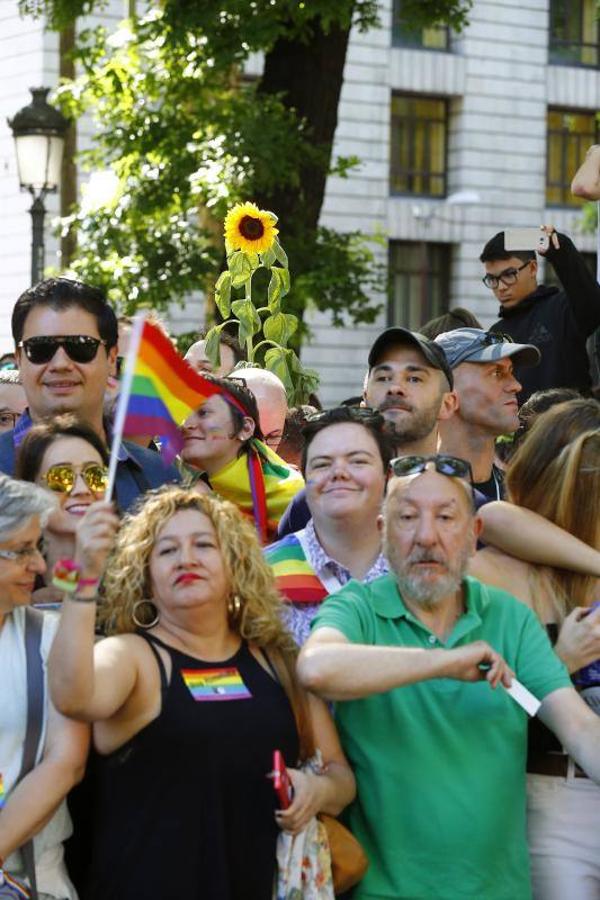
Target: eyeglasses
507 277
345 414
62 477
80 348
452 466
21 556
8 419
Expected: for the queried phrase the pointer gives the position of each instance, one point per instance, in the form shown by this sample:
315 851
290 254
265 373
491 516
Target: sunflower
249 228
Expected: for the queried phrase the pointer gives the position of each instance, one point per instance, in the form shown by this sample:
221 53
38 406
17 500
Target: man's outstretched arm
586 183
336 669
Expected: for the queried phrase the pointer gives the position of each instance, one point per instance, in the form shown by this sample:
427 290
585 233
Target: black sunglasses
345 413
80 348
452 466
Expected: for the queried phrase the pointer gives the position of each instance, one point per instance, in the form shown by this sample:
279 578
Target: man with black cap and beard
410 382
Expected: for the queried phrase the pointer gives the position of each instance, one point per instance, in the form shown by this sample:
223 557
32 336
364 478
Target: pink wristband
87 582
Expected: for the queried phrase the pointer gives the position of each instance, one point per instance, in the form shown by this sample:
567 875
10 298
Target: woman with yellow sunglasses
64 456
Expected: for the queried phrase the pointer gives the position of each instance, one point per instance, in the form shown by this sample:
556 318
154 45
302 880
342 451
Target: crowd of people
395 596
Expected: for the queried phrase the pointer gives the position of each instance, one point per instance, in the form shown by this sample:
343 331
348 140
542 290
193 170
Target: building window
419 282
418 145
574 32
570 133
435 37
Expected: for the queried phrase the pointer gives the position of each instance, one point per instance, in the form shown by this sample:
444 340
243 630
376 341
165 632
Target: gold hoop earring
155 614
234 607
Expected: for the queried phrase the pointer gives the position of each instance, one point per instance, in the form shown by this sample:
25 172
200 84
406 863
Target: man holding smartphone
556 321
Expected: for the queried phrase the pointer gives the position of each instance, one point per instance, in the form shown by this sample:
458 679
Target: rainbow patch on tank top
2 792
210 685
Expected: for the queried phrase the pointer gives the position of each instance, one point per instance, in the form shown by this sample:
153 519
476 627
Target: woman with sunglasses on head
64 456
183 805
556 473
42 754
223 440
344 461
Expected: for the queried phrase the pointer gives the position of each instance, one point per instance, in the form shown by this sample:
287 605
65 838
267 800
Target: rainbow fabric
2 792
165 391
210 685
260 484
295 578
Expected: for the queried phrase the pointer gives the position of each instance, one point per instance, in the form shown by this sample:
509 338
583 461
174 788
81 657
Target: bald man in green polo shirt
417 662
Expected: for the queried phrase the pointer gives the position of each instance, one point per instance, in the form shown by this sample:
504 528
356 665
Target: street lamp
39 133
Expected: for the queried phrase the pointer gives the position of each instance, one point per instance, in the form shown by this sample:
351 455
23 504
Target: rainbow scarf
295 578
165 391
260 484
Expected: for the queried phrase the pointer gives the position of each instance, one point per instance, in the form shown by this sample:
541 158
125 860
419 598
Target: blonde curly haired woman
189 695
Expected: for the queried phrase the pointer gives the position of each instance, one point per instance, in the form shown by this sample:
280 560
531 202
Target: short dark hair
236 386
454 318
64 293
370 419
494 249
44 434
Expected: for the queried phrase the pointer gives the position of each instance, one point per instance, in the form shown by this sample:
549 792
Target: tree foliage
186 136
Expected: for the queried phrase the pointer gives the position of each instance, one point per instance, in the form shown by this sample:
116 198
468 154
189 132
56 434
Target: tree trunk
68 189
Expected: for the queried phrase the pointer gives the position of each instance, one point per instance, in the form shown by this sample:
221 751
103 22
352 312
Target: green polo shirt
440 765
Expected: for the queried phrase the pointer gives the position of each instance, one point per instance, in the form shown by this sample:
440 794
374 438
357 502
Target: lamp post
39 133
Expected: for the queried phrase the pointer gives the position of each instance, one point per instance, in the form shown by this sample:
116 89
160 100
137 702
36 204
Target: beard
410 425
416 586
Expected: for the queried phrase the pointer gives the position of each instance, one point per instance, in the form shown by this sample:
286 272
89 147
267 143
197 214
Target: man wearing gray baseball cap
486 388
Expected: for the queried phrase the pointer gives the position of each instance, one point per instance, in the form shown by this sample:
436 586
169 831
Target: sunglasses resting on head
80 348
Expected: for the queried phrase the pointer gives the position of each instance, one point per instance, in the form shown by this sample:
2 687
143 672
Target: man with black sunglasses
65 336
410 660
557 321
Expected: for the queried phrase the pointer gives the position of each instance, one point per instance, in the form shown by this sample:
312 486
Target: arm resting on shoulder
532 538
576 727
336 669
35 799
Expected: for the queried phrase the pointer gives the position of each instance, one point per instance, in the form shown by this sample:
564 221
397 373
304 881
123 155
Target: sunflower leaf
212 348
280 253
223 293
240 268
275 329
268 258
252 259
274 292
248 318
276 361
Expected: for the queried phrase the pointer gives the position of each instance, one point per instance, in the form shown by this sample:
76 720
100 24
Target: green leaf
240 268
275 329
248 318
280 253
284 277
291 323
253 259
276 361
274 291
268 258
212 347
223 293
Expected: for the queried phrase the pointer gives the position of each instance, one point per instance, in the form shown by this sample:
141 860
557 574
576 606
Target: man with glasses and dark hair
65 336
410 661
557 321
486 389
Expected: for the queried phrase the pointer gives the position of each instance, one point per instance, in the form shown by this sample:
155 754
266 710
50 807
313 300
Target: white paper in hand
523 697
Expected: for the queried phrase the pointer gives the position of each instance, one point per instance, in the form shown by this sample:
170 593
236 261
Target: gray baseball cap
477 345
434 355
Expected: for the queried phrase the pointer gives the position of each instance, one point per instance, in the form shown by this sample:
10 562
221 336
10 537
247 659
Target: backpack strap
36 701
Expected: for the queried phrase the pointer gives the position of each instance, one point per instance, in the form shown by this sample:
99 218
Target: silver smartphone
525 239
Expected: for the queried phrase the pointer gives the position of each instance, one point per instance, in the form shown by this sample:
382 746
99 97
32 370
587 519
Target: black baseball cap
432 352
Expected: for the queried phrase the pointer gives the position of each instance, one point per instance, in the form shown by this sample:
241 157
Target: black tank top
183 809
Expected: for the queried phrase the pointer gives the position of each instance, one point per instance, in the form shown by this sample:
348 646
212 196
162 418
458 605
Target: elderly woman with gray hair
42 754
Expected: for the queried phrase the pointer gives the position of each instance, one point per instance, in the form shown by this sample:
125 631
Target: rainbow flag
165 391
295 578
215 684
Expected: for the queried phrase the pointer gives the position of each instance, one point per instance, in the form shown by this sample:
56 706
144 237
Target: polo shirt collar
388 604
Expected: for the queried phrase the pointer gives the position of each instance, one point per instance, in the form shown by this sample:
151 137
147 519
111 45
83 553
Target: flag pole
123 400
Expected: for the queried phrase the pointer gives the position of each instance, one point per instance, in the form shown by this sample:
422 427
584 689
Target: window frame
423 251
411 174
555 44
567 200
416 42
